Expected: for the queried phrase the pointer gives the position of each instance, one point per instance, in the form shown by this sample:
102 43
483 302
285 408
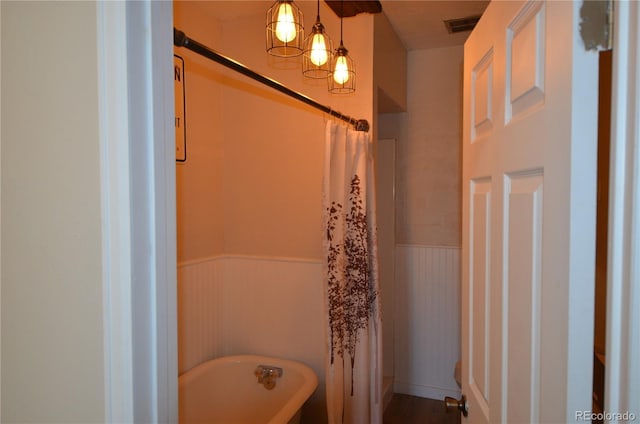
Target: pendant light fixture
285 29
343 71
317 51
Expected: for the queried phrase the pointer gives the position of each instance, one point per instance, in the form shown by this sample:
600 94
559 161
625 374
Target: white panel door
529 184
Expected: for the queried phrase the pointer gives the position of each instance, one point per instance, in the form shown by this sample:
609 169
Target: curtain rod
180 39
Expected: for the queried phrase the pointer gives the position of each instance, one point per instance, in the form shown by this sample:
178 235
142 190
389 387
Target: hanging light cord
341 18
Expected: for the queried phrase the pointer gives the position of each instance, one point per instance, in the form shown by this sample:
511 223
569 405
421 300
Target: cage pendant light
285 29
343 70
317 51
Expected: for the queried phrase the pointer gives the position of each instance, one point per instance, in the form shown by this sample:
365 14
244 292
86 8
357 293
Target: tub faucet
267 375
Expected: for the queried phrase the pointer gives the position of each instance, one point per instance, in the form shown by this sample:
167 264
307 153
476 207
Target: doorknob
452 404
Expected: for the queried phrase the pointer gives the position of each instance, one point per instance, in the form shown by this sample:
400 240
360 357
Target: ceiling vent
461 24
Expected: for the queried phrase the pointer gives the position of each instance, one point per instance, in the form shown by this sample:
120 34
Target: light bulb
341 71
318 53
286 26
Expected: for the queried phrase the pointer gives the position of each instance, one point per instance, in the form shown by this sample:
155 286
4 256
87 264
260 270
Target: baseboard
430 392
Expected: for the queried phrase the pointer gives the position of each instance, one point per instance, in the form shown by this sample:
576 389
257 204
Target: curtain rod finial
179 38
362 125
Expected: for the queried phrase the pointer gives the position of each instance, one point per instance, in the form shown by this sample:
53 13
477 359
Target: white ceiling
418 23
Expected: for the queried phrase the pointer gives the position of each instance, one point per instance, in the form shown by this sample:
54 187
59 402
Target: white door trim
622 391
116 225
135 65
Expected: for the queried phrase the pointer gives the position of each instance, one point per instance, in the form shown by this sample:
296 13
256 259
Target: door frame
622 384
137 160
387 265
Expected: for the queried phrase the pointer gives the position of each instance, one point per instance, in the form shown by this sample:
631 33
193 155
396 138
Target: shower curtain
352 301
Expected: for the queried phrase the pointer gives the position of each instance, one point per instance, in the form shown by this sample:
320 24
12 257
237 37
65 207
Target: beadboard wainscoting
273 306
237 304
200 317
427 320
230 305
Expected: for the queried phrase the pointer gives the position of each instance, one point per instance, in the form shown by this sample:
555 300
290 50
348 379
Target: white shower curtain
352 295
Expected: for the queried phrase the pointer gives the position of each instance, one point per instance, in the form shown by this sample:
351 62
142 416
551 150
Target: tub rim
298 398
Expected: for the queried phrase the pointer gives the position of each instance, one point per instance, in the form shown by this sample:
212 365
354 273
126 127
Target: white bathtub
226 391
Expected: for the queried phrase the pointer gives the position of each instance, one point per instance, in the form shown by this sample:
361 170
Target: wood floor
406 409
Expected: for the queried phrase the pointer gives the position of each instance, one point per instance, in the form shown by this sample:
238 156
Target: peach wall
390 67
273 156
429 149
199 180
252 180
275 145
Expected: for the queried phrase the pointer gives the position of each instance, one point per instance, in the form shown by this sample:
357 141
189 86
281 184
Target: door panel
481 94
529 168
525 60
480 283
523 236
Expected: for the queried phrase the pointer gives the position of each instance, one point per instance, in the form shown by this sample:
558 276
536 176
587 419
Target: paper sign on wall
180 123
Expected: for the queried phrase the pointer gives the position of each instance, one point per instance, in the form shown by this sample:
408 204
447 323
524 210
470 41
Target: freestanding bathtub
226 391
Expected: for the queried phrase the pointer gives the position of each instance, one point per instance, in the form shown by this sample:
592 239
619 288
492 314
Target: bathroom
249 192
92 319
88 318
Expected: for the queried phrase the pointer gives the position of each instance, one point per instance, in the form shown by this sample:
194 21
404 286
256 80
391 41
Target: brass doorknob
452 404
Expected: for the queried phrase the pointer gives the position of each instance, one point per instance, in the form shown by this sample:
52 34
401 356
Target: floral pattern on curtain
352 290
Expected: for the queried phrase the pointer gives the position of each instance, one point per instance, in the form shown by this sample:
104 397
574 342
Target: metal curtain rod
180 39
